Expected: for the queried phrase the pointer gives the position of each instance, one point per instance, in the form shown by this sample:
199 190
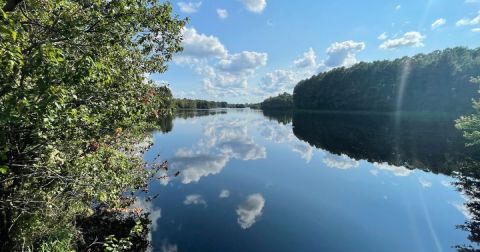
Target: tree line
438 81
204 104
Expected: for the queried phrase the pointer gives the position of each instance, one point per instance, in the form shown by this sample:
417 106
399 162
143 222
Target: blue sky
247 50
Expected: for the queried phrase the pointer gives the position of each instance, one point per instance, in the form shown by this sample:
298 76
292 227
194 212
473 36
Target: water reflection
220 142
241 166
468 183
250 210
428 142
398 144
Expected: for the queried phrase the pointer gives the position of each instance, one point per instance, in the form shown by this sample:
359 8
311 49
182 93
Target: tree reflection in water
468 183
427 142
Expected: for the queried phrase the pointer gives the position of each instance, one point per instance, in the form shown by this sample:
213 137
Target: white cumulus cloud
189 7
243 61
256 6
199 45
308 59
278 81
412 38
343 53
250 210
223 74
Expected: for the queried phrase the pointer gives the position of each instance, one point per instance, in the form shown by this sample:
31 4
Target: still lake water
251 181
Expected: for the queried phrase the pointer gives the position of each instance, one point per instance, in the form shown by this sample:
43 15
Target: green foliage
470 125
60 243
74 104
281 101
437 81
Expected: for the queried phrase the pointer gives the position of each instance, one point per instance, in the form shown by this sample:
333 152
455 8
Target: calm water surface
251 181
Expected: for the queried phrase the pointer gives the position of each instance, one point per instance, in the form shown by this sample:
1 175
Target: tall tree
73 102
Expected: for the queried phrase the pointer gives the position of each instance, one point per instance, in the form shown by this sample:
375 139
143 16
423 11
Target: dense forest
75 111
203 104
438 81
281 101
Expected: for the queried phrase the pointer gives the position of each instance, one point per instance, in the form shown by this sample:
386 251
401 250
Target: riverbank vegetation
279 102
203 104
74 109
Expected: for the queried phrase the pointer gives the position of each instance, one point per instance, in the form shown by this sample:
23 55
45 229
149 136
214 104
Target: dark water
253 181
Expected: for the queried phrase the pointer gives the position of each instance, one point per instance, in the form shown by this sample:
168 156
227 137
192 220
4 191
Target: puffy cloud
190 7
250 210
475 29
194 167
231 74
278 81
396 170
343 53
242 62
222 13
194 199
308 59
198 46
222 73
424 183
439 22
382 36
339 161
222 140
398 7
224 194
412 38
256 6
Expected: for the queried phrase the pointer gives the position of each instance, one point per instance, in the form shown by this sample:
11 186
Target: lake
310 181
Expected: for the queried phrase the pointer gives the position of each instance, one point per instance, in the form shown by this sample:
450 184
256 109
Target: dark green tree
281 101
437 81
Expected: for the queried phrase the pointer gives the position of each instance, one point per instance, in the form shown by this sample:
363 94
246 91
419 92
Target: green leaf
4 169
